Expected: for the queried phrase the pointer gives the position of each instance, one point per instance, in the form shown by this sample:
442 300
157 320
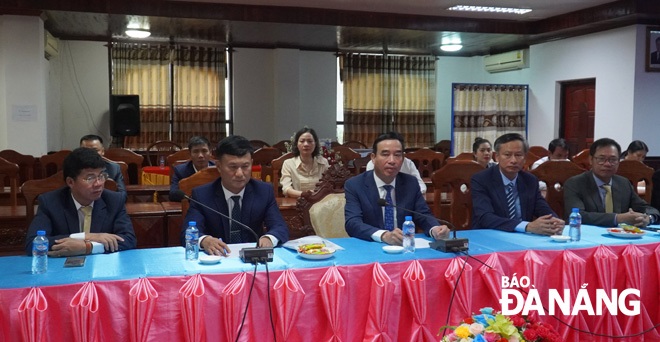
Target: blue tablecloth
160 262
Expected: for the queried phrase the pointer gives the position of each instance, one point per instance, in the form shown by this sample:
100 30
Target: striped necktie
389 210
511 201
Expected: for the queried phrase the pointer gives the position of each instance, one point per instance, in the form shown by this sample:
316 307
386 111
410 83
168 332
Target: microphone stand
253 255
452 245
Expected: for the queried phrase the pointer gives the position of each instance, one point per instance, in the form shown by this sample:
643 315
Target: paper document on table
293 244
422 243
236 247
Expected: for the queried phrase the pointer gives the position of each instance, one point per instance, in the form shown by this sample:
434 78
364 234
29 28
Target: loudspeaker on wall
124 115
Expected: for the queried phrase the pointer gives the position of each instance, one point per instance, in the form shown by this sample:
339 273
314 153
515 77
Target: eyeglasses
602 160
102 177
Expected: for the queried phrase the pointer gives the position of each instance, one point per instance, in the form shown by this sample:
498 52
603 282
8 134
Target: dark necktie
235 230
389 210
511 200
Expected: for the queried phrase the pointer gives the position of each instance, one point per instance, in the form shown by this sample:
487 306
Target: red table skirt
402 301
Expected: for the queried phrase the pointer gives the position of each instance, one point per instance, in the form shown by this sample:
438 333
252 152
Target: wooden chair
555 173
123 167
322 210
354 144
360 164
530 159
443 146
345 154
426 160
277 173
35 187
281 145
202 177
161 149
264 157
9 171
456 177
637 172
132 159
52 163
539 151
257 144
24 162
583 159
460 156
183 154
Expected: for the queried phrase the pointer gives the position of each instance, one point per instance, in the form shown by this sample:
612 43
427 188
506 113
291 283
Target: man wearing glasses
507 198
603 197
82 217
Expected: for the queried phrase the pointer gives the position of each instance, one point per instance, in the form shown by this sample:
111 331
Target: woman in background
637 150
304 170
483 152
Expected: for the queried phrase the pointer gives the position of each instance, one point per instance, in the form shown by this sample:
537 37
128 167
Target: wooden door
578 113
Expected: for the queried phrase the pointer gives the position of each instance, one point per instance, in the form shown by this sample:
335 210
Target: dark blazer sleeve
180 172
114 172
272 217
362 215
532 203
57 216
409 195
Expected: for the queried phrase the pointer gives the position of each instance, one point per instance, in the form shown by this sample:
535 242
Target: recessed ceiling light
451 47
138 33
489 9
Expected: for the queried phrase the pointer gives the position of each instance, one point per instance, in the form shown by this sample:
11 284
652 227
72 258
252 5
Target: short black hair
91 137
509 137
234 145
477 142
198 140
603 142
559 142
388 136
317 144
80 159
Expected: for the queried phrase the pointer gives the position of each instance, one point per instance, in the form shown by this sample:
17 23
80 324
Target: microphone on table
249 255
450 245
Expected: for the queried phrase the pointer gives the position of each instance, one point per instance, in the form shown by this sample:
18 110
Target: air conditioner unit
512 60
51 46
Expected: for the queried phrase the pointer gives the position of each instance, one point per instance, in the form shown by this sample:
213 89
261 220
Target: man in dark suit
655 56
603 197
200 158
365 218
62 212
249 201
507 198
112 169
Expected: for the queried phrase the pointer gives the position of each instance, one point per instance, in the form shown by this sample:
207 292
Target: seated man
82 217
112 169
246 200
558 149
365 218
409 168
200 158
507 198
603 197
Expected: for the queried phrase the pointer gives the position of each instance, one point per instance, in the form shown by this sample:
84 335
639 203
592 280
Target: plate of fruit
626 231
315 251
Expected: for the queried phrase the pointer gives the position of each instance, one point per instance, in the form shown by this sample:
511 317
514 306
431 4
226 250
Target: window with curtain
389 93
181 89
487 111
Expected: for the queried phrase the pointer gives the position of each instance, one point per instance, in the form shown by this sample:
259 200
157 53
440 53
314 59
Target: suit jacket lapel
221 206
99 215
593 189
500 192
70 213
372 196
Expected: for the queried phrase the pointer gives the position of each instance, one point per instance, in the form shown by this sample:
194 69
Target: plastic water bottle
408 235
161 162
40 253
575 224
192 239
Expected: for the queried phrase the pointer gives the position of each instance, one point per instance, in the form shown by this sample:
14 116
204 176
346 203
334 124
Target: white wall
24 81
646 109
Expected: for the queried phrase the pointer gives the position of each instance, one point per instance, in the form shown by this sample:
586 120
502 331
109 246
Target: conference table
360 293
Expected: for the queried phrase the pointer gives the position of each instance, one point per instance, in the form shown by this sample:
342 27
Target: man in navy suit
508 198
249 201
200 158
365 218
61 212
112 169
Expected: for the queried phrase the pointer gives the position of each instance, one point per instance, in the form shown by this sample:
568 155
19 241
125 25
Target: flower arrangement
492 326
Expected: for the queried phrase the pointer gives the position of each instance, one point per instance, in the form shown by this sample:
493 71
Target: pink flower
491 337
476 328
